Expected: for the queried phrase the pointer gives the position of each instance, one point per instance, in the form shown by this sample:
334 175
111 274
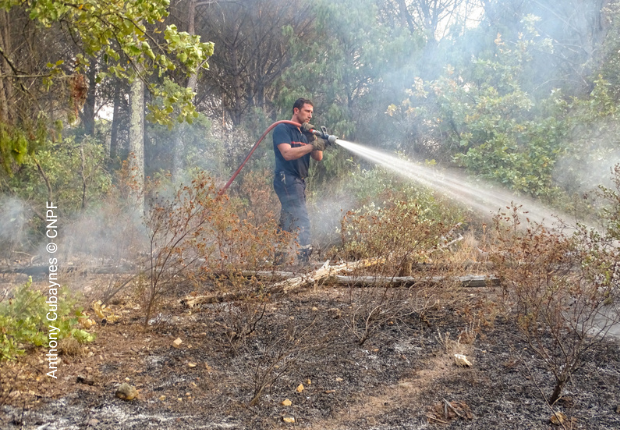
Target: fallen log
326 272
268 274
323 272
473 281
285 286
407 281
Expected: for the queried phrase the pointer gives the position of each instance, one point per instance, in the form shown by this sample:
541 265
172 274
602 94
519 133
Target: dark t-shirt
287 133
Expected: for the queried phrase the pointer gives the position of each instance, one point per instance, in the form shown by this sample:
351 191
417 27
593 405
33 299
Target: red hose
223 190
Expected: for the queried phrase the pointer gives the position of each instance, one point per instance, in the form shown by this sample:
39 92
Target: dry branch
326 271
407 281
285 286
323 272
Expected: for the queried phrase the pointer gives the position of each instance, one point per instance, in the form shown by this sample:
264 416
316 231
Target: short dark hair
300 102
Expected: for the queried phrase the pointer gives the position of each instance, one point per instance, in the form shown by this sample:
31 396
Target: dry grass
69 346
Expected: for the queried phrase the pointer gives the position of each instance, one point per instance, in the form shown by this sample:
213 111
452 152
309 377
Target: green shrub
23 321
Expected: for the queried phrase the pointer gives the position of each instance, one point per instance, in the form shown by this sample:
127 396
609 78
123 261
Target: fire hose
319 133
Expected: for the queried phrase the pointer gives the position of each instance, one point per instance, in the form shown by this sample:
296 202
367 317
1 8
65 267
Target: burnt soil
399 378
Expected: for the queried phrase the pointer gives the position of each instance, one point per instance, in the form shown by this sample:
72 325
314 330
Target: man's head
302 110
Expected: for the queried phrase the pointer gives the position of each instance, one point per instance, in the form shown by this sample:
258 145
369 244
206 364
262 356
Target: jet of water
484 200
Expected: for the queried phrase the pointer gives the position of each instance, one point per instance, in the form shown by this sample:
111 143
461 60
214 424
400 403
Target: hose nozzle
330 138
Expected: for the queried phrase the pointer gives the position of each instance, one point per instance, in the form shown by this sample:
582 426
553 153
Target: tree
136 141
121 33
179 137
352 64
254 52
576 27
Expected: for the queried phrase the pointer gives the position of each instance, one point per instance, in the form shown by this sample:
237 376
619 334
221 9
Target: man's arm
289 153
317 155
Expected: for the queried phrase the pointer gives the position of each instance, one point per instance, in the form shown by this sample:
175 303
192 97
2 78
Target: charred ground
224 377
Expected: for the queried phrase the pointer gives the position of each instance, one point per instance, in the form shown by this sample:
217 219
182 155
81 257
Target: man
293 147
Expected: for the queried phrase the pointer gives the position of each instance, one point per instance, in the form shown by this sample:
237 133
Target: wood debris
445 411
461 360
323 272
335 274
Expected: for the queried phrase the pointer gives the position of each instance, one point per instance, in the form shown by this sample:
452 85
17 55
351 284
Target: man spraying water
293 147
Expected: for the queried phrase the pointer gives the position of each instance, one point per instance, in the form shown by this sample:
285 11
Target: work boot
303 256
280 259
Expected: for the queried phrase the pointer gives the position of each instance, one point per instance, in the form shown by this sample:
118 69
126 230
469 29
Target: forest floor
301 348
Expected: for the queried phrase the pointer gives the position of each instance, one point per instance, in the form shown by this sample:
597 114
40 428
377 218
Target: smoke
578 175
596 151
106 234
12 225
325 216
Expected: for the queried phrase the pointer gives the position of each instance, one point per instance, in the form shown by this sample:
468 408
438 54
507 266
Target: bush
23 321
396 237
402 232
197 232
561 287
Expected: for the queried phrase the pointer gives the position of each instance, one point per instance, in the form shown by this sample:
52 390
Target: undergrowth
24 323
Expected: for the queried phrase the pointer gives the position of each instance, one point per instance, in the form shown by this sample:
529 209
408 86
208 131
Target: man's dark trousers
291 191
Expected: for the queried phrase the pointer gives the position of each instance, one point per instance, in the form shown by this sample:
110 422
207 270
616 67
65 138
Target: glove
306 127
319 144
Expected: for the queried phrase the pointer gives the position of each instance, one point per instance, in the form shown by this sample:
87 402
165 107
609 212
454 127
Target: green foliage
170 98
342 67
24 323
592 143
74 169
483 118
16 144
125 33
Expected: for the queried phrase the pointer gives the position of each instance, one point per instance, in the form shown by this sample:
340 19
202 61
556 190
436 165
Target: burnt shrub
196 234
561 286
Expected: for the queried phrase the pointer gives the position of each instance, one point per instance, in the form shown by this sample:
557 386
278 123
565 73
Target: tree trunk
405 16
88 113
178 150
136 142
4 104
116 121
193 79
6 84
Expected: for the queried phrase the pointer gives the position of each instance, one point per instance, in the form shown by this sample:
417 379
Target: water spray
322 133
480 197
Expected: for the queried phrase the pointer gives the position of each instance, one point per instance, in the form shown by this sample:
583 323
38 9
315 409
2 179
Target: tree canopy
522 93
